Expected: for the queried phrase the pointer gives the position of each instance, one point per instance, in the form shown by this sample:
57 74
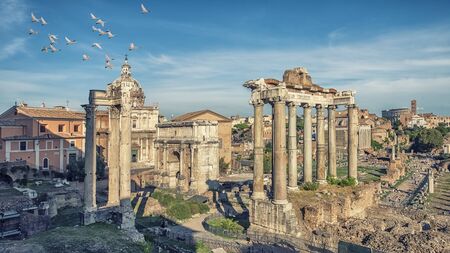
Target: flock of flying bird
95 28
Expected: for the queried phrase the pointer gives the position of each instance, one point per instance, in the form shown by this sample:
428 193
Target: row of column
119 158
279 182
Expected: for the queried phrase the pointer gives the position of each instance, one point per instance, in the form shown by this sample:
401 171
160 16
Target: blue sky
196 54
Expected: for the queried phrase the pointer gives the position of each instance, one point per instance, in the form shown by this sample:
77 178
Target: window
76 128
72 143
61 128
23 145
45 163
72 158
42 128
134 155
48 144
134 123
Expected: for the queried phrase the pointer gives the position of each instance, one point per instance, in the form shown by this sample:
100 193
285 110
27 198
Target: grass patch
342 182
179 208
226 224
66 217
310 186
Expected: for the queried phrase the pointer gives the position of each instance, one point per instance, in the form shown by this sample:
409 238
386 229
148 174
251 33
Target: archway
45 163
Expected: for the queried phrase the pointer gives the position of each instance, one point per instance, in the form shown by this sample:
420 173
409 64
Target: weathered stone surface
297 76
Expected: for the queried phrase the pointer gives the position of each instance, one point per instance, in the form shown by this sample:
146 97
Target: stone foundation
276 218
122 216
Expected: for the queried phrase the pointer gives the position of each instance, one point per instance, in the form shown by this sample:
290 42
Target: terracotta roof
192 115
42 112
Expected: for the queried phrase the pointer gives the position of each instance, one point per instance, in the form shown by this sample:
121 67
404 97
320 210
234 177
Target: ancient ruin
275 213
121 96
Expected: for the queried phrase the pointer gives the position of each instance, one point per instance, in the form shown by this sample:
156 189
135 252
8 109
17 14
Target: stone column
125 155
430 181
320 141
113 156
352 146
181 168
165 167
193 187
258 150
307 144
90 164
279 150
332 141
292 146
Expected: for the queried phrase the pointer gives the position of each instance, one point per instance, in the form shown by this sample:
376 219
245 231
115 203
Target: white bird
44 49
43 22
85 57
108 59
110 35
52 38
100 22
69 41
143 9
32 32
93 17
108 65
53 48
101 32
132 46
94 29
34 19
97 45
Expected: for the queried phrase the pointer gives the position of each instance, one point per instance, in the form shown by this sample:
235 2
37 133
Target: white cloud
15 46
12 12
386 71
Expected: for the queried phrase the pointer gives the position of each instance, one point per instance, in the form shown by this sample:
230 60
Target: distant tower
413 107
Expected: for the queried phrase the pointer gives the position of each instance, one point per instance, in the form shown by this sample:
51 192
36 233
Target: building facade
46 138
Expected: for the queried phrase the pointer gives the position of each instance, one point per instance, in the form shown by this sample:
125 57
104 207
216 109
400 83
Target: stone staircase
440 200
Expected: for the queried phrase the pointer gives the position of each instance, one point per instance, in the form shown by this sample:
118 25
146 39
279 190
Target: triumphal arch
120 97
274 212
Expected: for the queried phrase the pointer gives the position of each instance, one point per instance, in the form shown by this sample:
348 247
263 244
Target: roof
42 137
42 112
193 115
6 122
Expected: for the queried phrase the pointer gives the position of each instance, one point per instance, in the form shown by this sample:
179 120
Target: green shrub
200 247
180 211
226 224
195 209
348 182
204 208
333 181
166 200
310 186
147 247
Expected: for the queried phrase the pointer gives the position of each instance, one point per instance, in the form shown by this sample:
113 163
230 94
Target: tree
428 139
376 145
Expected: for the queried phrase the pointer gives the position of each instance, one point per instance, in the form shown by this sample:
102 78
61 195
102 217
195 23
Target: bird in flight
132 47
95 29
43 22
32 32
108 65
110 35
53 48
44 49
52 38
34 19
101 32
93 17
100 22
69 41
143 9
97 45
85 57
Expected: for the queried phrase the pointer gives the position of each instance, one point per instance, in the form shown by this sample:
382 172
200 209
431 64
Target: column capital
351 106
305 105
114 111
89 108
257 103
332 107
290 104
277 100
319 106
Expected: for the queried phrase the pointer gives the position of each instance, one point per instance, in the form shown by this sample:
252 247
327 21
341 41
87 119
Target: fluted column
292 146
113 156
352 142
258 149
320 141
125 155
279 149
90 165
307 144
332 141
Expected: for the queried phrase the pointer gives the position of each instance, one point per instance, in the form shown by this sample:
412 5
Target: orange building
46 138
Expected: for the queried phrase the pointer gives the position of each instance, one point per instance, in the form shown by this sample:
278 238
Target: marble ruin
297 89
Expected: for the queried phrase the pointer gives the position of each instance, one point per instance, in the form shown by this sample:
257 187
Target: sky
193 55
